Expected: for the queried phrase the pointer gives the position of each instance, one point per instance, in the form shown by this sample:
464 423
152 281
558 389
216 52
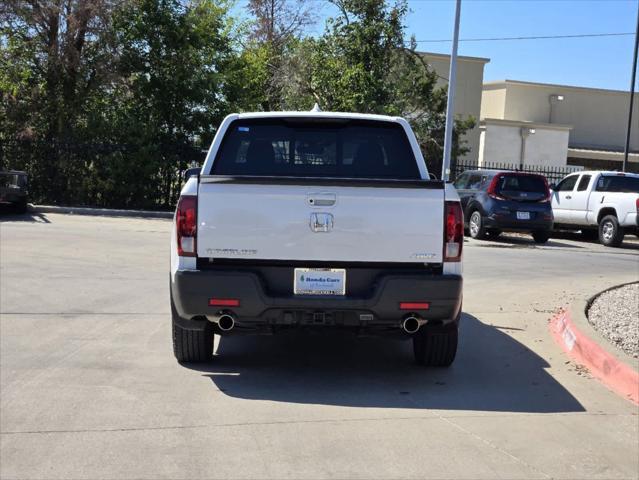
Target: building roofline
503 83
459 57
600 154
523 123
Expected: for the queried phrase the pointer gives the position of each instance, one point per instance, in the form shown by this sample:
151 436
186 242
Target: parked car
598 203
320 220
13 189
494 201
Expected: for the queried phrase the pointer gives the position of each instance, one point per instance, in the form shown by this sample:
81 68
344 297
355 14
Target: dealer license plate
319 281
523 215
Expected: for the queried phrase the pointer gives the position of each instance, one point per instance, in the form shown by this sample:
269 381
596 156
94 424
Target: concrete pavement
89 387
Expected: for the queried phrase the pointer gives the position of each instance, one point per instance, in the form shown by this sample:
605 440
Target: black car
13 189
494 201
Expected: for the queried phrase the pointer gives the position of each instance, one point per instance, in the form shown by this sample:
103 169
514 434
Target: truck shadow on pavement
492 372
512 241
630 241
8 214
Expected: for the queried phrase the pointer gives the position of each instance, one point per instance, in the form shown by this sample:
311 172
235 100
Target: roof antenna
316 108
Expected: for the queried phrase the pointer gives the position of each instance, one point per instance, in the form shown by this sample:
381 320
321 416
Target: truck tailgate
285 221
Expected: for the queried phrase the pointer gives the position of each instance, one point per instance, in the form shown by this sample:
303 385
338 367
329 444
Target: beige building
523 143
594 121
468 91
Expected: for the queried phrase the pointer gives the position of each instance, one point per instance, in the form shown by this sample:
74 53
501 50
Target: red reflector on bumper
414 305
224 302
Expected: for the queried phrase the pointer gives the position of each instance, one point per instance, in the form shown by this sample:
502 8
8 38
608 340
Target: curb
104 212
583 344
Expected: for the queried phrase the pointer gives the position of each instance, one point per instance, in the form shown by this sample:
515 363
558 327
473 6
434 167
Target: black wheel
192 339
436 346
610 233
541 236
493 233
476 225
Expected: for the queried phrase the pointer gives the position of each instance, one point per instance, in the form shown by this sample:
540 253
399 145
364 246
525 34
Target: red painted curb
617 375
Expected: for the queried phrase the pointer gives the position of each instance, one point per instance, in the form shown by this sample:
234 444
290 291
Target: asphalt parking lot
89 387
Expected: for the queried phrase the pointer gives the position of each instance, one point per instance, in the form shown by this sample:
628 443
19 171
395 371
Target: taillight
454 232
492 188
224 302
186 226
637 204
414 305
546 199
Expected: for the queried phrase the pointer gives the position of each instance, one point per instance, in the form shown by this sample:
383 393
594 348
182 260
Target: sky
600 62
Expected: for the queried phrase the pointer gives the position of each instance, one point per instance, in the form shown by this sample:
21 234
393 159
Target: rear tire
610 233
436 346
541 236
476 225
192 339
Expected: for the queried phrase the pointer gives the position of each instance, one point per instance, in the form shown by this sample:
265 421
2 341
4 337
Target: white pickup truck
316 220
598 202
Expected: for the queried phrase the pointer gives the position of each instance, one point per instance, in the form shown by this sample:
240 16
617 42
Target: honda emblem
321 222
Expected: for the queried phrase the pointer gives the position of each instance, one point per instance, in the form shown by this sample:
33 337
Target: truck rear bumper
258 306
508 224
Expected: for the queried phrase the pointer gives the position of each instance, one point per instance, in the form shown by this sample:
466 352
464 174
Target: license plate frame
323 281
523 215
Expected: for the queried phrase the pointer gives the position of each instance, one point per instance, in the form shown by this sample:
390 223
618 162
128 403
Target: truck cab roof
319 115
605 172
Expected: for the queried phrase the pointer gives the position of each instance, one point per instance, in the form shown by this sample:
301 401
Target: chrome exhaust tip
224 321
411 324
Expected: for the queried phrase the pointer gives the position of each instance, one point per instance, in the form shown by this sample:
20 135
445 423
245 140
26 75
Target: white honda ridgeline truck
316 219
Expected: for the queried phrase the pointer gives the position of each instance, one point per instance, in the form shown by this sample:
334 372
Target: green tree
362 63
174 58
174 65
104 102
274 27
53 56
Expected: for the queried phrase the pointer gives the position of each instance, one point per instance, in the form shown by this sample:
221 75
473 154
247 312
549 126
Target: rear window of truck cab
311 147
618 183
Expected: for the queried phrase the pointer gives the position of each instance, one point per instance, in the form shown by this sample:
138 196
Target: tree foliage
104 102
362 63
173 61
276 25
